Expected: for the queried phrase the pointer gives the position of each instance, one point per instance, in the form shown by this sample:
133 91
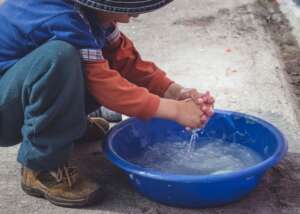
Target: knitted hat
124 6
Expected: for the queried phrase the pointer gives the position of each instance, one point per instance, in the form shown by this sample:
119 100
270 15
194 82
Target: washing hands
188 107
197 108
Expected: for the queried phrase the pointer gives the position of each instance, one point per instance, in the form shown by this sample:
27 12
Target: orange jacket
124 82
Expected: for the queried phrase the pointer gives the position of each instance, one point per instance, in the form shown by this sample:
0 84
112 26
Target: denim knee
54 105
63 60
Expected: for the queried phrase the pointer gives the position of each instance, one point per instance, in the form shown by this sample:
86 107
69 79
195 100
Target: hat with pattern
124 6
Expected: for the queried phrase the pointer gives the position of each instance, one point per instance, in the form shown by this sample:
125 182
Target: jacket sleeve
113 91
123 56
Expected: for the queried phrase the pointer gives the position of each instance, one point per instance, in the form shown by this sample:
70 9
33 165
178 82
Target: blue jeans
43 105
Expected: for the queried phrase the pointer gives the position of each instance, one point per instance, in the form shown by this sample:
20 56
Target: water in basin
199 156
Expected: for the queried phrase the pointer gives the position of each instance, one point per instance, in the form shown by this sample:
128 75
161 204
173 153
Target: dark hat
124 6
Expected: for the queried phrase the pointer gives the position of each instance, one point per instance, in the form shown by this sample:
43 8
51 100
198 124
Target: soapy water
197 156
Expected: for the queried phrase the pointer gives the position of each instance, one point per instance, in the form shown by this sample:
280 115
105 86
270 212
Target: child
50 53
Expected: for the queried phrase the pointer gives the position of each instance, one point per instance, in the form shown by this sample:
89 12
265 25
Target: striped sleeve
113 35
91 55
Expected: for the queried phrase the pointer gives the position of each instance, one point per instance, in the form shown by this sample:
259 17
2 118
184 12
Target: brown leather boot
63 187
97 127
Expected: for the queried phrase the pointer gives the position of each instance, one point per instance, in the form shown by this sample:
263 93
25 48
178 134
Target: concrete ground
221 46
292 12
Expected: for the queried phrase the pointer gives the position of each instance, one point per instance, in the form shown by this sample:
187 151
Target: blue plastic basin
133 136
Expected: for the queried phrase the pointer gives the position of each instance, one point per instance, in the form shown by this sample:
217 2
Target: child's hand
204 101
190 115
187 112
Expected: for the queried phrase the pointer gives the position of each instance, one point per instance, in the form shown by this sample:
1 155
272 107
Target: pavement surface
220 46
292 11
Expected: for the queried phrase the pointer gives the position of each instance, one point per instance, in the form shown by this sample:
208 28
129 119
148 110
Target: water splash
191 145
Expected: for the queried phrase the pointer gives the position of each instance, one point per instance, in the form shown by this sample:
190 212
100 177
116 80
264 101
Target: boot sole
97 196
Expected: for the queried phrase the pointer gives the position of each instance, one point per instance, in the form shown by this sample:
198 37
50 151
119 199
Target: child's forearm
126 59
113 91
173 92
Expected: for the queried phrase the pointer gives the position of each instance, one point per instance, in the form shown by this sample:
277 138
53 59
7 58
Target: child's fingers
195 95
189 93
205 97
208 100
211 100
207 110
210 113
200 101
203 119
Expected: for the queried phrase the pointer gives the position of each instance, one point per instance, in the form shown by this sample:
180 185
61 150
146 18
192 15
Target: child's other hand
197 97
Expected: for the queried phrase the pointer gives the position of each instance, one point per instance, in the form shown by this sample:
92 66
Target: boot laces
65 174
